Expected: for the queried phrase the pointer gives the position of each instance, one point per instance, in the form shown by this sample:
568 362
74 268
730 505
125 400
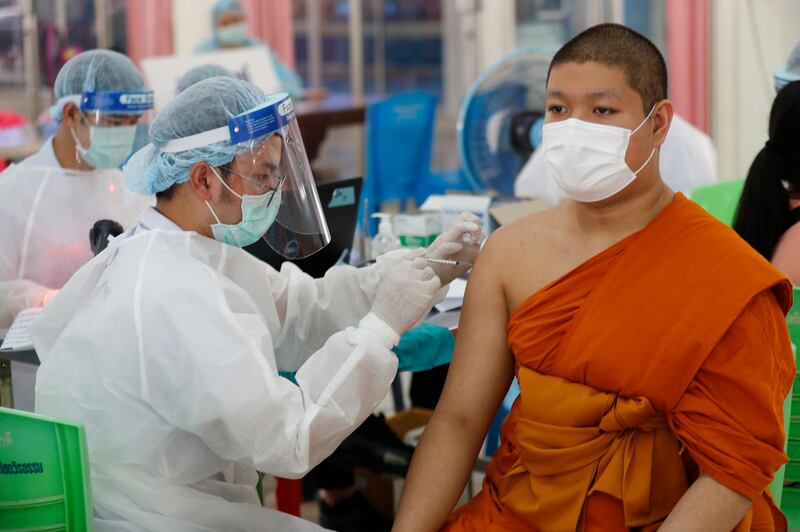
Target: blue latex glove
425 347
290 375
420 349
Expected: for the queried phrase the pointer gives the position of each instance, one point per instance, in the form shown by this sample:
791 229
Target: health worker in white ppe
51 200
168 345
688 160
198 74
229 32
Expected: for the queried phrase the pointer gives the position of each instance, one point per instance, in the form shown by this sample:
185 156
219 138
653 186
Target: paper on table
457 288
455 296
18 337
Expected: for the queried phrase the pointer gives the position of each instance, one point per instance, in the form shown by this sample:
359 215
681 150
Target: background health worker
51 200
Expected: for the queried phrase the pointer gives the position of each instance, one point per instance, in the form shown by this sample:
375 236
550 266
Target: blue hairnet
790 71
793 64
199 73
222 7
95 71
150 170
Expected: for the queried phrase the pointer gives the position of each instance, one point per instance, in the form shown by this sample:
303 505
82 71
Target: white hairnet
150 170
222 7
199 73
95 71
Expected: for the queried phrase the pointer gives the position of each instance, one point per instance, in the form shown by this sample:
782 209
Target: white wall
742 87
192 24
476 34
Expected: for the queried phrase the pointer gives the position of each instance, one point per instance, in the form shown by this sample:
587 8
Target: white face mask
587 160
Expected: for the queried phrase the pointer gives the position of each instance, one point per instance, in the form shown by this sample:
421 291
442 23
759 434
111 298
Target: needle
448 262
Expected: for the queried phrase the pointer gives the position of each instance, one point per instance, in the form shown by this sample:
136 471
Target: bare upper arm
482 366
786 257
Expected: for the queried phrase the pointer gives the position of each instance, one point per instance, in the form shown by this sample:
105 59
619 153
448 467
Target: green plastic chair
788 498
776 488
44 474
720 199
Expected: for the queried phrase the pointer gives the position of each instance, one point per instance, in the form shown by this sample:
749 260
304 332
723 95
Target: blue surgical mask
233 34
109 147
258 214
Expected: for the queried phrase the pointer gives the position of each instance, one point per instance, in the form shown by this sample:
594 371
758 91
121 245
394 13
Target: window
402 42
551 23
63 28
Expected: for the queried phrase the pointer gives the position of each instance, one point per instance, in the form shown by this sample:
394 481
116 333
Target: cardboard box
417 230
509 212
451 206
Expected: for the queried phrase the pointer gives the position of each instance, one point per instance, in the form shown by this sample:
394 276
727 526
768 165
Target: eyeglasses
277 188
262 184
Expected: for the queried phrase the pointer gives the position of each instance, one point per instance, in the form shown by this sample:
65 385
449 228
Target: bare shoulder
525 255
785 256
528 237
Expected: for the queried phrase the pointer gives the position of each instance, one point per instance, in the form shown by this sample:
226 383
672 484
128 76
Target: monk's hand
461 243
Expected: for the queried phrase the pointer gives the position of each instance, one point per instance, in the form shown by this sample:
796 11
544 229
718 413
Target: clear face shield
300 229
279 189
111 109
274 161
111 118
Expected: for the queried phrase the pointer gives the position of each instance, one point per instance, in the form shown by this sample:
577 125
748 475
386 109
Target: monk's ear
662 118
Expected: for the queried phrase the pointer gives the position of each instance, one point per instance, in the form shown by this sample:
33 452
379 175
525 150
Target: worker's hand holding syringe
454 252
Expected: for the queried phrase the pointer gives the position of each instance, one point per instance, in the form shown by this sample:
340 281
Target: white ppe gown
46 156
47 213
167 347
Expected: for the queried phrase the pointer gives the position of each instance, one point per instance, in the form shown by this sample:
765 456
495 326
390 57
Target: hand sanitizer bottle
385 240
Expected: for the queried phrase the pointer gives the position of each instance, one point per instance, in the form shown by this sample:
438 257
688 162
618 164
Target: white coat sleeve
311 310
208 368
15 294
534 181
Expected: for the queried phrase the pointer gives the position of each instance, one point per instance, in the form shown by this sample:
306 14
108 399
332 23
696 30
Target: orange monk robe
666 352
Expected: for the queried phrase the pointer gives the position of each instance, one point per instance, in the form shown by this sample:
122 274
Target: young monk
649 340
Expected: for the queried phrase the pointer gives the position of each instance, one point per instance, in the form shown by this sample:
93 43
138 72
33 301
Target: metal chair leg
6 387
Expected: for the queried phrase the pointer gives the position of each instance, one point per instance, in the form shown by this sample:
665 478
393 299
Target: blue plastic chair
399 146
493 436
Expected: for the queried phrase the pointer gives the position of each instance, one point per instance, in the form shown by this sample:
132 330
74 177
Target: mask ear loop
78 144
653 151
224 183
645 119
214 214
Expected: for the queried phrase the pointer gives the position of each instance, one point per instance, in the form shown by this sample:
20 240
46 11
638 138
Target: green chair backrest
776 488
44 474
793 323
720 199
793 319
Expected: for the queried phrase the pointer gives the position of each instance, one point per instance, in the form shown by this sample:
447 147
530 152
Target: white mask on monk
587 160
